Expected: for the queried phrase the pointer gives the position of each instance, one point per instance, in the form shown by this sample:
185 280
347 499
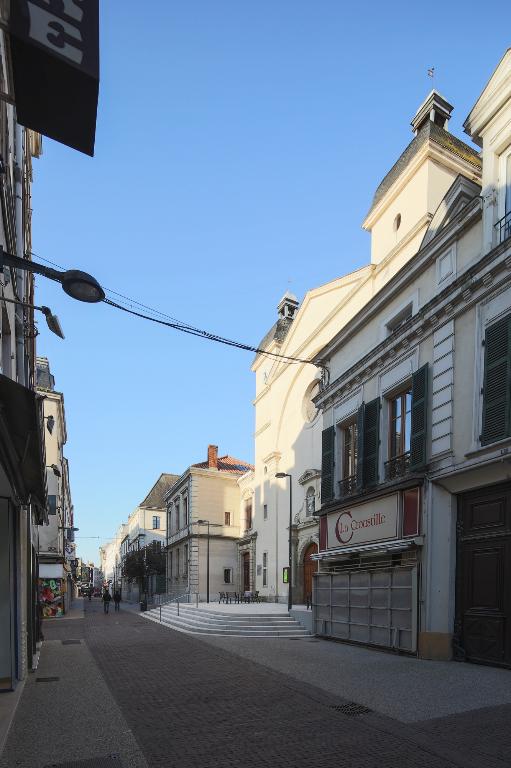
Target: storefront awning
55 66
21 443
398 545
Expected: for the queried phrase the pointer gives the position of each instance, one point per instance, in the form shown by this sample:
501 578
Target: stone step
205 622
202 616
196 629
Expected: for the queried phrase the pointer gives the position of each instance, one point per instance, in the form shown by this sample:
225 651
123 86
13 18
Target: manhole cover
47 679
71 642
108 761
351 709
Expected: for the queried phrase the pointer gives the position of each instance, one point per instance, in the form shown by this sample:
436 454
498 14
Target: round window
309 409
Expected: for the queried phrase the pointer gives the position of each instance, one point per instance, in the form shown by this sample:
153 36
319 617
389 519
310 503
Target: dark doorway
246 571
309 568
483 583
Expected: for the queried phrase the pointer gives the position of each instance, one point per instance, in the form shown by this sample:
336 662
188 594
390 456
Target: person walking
106 599
117 600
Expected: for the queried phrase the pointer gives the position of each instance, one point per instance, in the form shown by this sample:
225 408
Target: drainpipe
20 274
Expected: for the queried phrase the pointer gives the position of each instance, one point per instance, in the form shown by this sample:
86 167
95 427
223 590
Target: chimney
212 456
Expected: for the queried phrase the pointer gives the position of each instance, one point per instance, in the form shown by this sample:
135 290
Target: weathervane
431 72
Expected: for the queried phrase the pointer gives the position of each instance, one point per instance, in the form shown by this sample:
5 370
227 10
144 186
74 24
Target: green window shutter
419 419
327 464
360 447
497 382
371 442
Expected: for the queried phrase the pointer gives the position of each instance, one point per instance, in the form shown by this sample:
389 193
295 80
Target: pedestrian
117 600
106 600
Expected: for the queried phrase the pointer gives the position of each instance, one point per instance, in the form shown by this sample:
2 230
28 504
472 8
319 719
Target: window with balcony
503 226
400 423
348 482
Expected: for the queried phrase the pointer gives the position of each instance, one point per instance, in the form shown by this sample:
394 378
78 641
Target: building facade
415 527
203 527
288 426
57 547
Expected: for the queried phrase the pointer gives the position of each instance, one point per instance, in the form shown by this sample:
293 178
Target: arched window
310 501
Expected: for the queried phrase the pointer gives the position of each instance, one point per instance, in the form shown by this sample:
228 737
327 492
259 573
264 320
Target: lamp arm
10 260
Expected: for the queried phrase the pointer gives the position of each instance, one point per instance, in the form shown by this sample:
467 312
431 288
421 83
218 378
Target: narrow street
132 693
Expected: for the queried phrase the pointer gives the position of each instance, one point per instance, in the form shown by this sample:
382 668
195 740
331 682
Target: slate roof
155 497
429 131
227 464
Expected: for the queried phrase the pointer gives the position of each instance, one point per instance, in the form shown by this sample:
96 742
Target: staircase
202 621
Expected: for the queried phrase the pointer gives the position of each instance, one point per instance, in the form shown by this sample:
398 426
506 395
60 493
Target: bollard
178 606
196 599
160 613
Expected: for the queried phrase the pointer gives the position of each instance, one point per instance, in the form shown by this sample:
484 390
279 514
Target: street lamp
281 475
79 285
214 525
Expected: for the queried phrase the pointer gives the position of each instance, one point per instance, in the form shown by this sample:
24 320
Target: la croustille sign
364 523
55 62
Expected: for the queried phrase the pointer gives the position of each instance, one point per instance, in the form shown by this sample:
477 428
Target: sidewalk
67 712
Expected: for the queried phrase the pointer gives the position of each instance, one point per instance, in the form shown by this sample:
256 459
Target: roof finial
431 72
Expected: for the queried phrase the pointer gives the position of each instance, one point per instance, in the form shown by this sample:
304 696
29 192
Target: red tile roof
227 464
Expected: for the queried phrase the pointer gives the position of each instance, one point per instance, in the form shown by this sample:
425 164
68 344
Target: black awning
22 453
55 64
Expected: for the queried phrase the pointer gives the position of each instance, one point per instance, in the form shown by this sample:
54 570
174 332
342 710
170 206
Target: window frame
265 569
404 394
227 519
229 572
158 519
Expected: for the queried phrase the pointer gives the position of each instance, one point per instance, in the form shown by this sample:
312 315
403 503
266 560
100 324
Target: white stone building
287 424
204 525
415 533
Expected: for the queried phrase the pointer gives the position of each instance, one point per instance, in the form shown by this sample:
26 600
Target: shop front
366 590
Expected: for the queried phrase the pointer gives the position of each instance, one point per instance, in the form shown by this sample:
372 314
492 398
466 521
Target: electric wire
178 325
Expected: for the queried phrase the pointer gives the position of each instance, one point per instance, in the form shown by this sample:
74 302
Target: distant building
57 548
207 492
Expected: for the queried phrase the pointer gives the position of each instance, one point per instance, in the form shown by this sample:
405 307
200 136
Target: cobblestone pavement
189 704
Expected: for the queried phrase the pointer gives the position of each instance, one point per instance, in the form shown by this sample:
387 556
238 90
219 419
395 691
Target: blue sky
238 146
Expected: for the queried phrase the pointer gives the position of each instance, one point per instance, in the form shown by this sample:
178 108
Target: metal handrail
185 598
348 486
398 466
503 228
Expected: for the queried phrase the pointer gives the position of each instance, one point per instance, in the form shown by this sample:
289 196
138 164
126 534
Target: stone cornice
408 274
469 289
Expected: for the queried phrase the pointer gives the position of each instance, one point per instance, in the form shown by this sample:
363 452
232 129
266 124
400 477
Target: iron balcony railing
399 466
348 486
503 228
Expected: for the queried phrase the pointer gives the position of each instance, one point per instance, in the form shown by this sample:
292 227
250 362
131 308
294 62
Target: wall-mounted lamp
56 470
52 320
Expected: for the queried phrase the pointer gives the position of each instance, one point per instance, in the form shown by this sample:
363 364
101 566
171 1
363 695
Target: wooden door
483 600
246 572
309 568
